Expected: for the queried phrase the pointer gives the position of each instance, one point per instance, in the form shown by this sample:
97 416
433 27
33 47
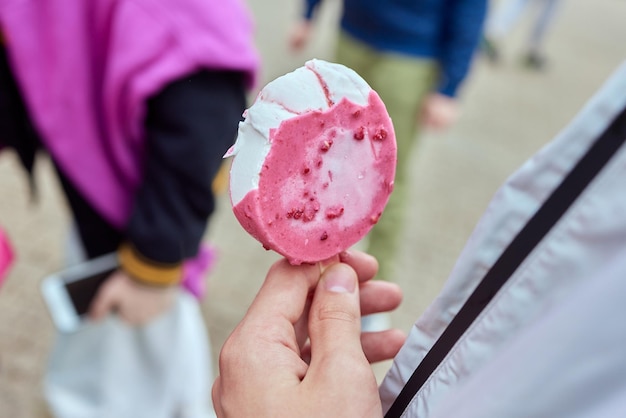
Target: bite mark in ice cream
315 178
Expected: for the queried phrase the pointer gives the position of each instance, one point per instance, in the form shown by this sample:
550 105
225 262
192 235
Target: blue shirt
447 31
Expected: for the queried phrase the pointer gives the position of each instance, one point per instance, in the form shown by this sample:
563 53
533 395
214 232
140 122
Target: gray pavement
508 113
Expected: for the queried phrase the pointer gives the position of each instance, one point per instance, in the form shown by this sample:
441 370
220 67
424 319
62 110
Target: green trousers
402 83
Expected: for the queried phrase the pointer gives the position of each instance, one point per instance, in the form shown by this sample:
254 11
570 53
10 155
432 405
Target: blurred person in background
415 54
135 102
505 16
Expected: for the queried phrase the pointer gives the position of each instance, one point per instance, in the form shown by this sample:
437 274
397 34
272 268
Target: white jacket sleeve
511 351
571 363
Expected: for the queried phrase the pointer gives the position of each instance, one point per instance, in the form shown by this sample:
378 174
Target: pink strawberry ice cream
314 162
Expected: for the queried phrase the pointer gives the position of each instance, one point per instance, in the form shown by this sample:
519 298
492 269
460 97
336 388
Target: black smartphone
69 293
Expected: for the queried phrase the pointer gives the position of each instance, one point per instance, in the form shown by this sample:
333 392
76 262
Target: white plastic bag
112 370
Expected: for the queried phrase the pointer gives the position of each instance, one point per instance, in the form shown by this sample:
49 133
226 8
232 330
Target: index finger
365 265
286 287
284 292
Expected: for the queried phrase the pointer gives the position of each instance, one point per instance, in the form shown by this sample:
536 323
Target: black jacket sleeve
189 126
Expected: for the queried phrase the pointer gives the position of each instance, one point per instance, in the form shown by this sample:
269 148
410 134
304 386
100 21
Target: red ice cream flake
359 134
326 144
375 218
380 134
334 212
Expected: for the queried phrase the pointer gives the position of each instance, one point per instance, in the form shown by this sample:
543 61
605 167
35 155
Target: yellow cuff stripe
146 271
220 182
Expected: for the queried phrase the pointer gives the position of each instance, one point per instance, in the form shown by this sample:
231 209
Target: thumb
339 373
335 319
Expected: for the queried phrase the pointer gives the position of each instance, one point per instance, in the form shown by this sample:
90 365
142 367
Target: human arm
301 31
189 126
439 112
461 31
265 369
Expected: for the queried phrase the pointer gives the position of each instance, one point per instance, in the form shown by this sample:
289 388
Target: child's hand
135 303
439 112
300 35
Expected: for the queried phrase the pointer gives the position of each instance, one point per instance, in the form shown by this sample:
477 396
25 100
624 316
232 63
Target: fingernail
338 280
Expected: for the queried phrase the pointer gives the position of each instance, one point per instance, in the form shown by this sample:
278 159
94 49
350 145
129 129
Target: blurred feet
534 61
491 51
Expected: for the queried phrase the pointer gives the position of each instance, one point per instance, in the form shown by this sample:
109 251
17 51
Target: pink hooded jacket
103 59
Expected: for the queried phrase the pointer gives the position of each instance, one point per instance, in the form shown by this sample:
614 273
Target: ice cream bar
314 162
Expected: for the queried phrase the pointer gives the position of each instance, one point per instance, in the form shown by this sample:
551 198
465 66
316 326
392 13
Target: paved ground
508 114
